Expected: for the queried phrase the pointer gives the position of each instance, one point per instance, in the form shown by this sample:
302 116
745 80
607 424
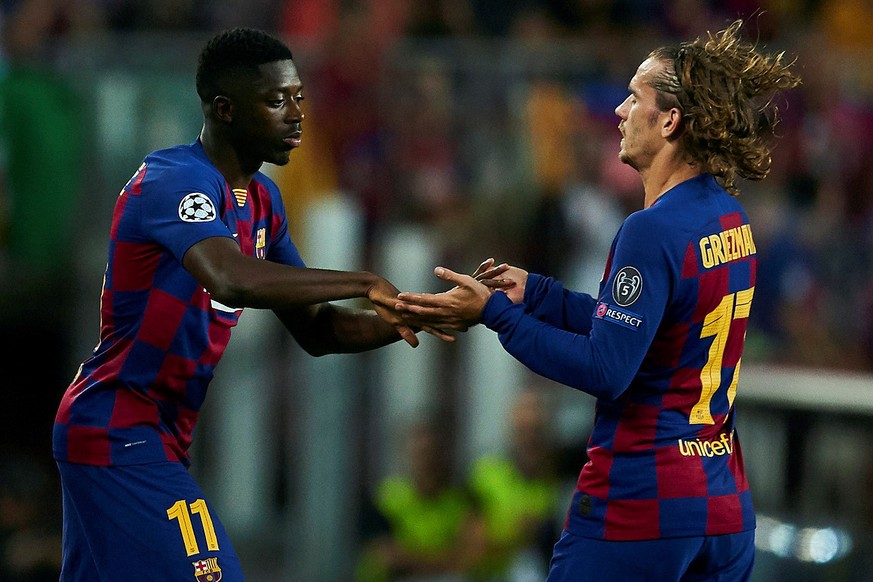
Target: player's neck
225 158
660 178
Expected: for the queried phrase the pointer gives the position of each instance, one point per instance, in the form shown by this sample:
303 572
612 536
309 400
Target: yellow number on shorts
181 512
718 323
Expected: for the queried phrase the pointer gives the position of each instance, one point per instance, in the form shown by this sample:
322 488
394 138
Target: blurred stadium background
437 132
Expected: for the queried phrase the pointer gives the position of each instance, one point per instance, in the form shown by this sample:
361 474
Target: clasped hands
459 308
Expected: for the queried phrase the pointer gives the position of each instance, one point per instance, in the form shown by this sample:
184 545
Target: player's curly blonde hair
725 88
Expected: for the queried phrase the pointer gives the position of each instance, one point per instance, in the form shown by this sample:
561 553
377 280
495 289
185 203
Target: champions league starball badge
196 207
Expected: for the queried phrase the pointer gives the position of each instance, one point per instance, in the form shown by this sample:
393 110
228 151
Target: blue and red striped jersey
660 348
136 399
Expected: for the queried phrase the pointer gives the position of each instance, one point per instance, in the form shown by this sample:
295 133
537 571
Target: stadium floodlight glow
822 545
782 538
818 545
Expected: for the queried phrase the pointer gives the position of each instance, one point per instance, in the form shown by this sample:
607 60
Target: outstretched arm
240 281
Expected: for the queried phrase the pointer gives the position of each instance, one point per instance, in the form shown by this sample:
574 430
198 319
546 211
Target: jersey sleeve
179 207
623 323
546 299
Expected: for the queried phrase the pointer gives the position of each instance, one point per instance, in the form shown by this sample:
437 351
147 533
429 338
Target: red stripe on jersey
172 449
163 315
632 519
637 428
732 220
733 349
679 476
736 466
132 408
594 477
91 445
133 266
132 188
112 362
724 515
172 378
263 205
120 204
62 416
691 264
201 298
684 391
107 308
712 287
185 422
667 347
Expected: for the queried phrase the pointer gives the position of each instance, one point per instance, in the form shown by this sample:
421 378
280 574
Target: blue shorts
725 558
141 522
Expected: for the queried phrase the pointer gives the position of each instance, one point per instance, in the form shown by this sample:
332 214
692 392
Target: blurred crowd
494 521
490 123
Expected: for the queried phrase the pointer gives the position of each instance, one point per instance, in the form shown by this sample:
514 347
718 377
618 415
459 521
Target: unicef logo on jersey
196 207
627 286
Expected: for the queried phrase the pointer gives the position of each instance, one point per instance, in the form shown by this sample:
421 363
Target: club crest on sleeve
197 207
627 286
207 570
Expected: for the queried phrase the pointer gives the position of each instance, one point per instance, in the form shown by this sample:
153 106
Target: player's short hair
725 88
235 52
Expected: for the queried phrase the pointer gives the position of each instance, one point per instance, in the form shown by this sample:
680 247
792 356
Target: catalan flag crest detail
207 570
240 195
261 243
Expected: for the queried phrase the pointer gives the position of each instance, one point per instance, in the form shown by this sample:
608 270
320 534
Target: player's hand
383 296
489 275
457 309
503 277
512 282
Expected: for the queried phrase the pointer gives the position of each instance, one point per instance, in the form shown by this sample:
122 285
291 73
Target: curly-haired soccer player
664 494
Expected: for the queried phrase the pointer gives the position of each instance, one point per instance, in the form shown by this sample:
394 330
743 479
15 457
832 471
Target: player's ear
222 108
671 123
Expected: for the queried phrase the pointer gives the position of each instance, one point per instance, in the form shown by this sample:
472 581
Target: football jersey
660 349
136 399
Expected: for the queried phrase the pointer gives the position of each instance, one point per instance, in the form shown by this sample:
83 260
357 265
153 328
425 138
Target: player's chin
625 158
280 158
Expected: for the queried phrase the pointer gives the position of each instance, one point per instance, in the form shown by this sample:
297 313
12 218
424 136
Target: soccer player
197 234
664 495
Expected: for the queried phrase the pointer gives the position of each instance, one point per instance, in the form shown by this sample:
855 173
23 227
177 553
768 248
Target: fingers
491 273
436 332
415 307
498 283
408 335
483 266
408 301
448 275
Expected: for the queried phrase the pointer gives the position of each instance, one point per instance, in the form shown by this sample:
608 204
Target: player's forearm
270 286
339 329
240 281
280 286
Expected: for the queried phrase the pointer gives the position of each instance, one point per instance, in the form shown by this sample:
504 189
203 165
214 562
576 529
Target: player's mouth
294 140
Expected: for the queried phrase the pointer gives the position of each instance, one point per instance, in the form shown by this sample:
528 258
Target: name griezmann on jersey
728 245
